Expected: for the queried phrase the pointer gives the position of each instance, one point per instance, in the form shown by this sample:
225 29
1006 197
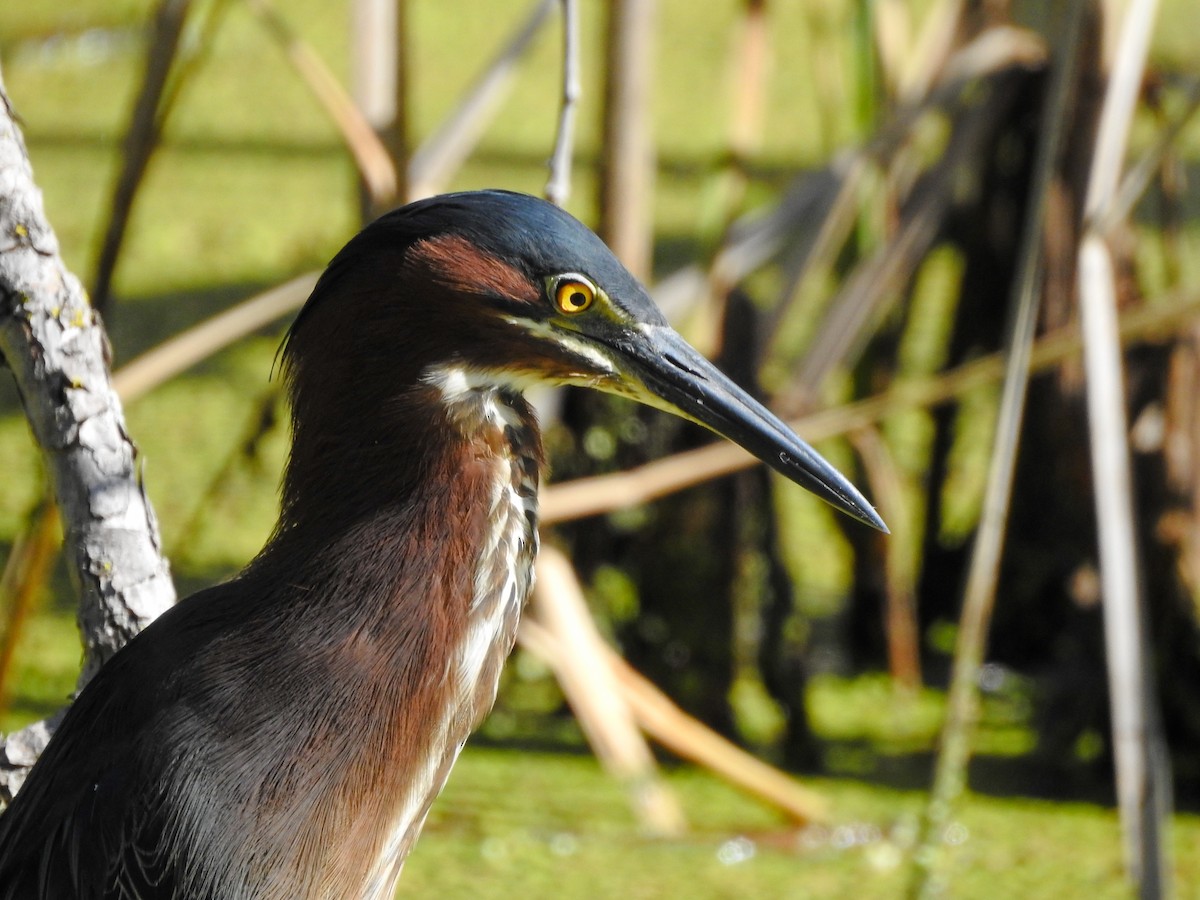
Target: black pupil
577 299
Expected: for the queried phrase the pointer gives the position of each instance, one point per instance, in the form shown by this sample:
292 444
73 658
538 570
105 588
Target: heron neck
401 518
415 587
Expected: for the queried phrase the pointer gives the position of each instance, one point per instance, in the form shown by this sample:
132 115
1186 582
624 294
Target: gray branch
558 188
55 345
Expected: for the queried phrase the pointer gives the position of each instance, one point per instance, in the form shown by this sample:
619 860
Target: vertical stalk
379 78
627 174
558 187
1142 766
962 712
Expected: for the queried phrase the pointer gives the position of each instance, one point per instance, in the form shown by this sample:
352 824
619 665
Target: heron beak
662 370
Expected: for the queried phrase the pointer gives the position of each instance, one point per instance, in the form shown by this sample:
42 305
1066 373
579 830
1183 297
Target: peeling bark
54 343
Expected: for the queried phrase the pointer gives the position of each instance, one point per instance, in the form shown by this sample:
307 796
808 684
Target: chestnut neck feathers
410 497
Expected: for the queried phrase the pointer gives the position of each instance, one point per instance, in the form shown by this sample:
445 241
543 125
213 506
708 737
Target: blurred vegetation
252 185
542 847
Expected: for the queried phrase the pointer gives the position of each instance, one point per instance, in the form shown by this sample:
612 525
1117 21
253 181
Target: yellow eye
573 295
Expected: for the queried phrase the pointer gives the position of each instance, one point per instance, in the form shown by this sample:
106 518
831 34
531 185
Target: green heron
284 734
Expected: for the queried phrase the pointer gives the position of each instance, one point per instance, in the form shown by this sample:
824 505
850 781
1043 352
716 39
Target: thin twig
891 37
370 155
1139 176
443 152
1116 118
142 137
190 347
25 574
195 47
901 629
932 49
558 187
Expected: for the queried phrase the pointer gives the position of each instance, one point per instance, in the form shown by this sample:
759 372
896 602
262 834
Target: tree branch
52 339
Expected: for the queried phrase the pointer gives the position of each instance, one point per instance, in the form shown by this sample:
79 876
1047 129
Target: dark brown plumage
283 735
